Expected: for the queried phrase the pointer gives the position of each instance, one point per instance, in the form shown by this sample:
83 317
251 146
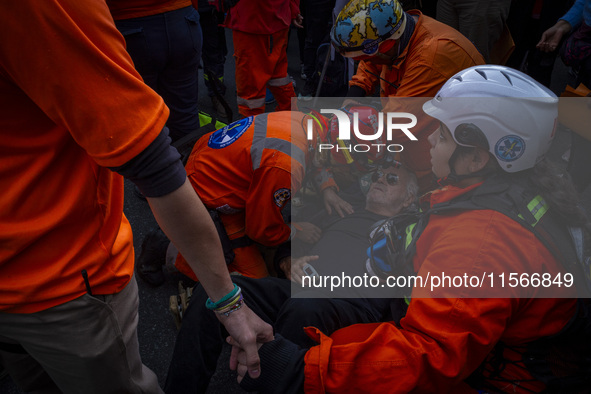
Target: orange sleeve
80 75
419 83
269 192
439 345
420 80
364 78
323 179
441 341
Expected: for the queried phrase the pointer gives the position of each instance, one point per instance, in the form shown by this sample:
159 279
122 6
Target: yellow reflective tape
538 208
409 235
345 151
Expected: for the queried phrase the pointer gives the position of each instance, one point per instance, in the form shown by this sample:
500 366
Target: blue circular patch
227 135
510 148
370 46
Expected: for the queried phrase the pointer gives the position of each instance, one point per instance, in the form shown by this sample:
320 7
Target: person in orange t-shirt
74 117
479 337
406 54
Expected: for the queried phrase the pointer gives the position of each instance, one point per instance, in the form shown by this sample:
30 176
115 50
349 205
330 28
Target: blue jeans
166 51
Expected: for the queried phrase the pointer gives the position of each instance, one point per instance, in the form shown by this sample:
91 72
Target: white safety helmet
498 109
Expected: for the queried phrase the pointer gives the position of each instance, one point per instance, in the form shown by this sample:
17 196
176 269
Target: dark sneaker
303 75
306 97
152 258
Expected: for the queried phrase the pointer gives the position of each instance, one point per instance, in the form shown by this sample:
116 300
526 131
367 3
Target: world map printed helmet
501 110
362 25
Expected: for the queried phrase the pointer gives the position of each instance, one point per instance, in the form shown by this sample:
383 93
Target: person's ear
479 160
407 202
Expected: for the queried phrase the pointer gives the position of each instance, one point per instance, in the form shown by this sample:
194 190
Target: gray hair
412 191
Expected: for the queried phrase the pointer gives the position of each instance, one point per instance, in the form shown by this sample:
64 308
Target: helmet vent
482 73
508 77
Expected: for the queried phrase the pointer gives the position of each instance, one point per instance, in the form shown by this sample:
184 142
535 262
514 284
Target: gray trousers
88 345
481 21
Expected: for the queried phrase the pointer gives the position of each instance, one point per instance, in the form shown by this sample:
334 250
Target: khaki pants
87 345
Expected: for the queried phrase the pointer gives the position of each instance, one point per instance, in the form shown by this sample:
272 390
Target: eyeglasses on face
392 179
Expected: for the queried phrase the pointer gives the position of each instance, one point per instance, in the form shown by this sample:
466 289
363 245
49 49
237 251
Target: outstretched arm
184 219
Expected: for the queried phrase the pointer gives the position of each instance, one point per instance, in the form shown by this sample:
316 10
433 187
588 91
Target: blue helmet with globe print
362 25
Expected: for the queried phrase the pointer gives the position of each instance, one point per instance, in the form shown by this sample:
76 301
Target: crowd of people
95 92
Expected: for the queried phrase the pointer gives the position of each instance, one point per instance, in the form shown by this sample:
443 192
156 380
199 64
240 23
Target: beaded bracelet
225 300
231 308
234 309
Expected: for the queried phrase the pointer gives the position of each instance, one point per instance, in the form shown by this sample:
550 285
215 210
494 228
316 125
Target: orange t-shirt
71 104
127 9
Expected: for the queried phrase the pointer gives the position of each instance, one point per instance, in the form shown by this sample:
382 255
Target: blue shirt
580 11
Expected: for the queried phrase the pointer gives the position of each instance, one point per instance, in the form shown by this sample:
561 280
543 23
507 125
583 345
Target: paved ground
156 328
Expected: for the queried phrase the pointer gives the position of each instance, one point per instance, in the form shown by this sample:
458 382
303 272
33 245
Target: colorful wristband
209 304
231 309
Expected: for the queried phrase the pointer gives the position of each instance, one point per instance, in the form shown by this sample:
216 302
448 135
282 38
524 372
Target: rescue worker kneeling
456 339
245 174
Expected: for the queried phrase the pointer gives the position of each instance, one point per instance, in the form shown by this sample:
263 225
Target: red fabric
262 16
65 116
441 341
248 200
260 59
127 9
434 53
283 94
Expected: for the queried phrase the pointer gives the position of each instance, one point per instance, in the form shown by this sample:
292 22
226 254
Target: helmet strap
407 34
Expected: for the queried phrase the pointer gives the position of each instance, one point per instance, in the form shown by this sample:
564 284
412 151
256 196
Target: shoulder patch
281 196
510 148
228 134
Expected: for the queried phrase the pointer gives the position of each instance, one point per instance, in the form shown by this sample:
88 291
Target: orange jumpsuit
247 172
260 33
434 54
441 341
